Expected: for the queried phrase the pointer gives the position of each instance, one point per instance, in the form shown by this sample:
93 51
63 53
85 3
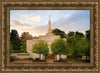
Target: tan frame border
93 6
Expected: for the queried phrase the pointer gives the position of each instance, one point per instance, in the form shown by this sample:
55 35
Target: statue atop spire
49 27
49 17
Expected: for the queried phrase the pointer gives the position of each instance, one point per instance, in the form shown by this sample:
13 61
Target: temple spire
49 17
49 26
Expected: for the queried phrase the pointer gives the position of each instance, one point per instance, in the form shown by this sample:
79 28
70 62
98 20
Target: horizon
45 34
36 21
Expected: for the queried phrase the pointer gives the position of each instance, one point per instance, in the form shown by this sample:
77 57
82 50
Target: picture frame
6 6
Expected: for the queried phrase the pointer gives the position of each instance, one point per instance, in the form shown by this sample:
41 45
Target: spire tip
49 17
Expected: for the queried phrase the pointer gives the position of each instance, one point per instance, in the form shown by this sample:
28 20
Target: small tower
49 26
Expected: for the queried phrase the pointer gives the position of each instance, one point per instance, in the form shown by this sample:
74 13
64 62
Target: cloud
36 31
67 15
75 22
19 24
28 23
33 17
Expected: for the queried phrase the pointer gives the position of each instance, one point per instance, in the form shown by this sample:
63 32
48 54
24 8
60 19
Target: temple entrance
50 58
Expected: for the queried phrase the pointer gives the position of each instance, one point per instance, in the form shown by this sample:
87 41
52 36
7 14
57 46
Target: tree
71 41
23 47
26 36
74 39
83 48
11 48
79 44
40 47
13 34
79 35
59 32
67 50
88 34
71 33
59 46
15 40
86 49
78 48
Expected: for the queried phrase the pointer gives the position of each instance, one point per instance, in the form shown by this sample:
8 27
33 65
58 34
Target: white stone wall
57 57
62 56
49 37
29 44
35 55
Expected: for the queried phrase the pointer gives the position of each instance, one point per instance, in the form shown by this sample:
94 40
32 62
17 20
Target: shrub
37 59
22 54
61 59
12 58
16 51
30 58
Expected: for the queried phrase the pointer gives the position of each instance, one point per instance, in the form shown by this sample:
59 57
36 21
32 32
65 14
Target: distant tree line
59 32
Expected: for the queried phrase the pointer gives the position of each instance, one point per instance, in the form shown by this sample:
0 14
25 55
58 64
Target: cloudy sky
36 21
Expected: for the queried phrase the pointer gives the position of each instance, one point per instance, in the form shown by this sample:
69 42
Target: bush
16 51
30 58
22 54
61 59
12 58
24 59
37 59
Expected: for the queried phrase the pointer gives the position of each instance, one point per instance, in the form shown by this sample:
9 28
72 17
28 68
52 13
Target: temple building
49 38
